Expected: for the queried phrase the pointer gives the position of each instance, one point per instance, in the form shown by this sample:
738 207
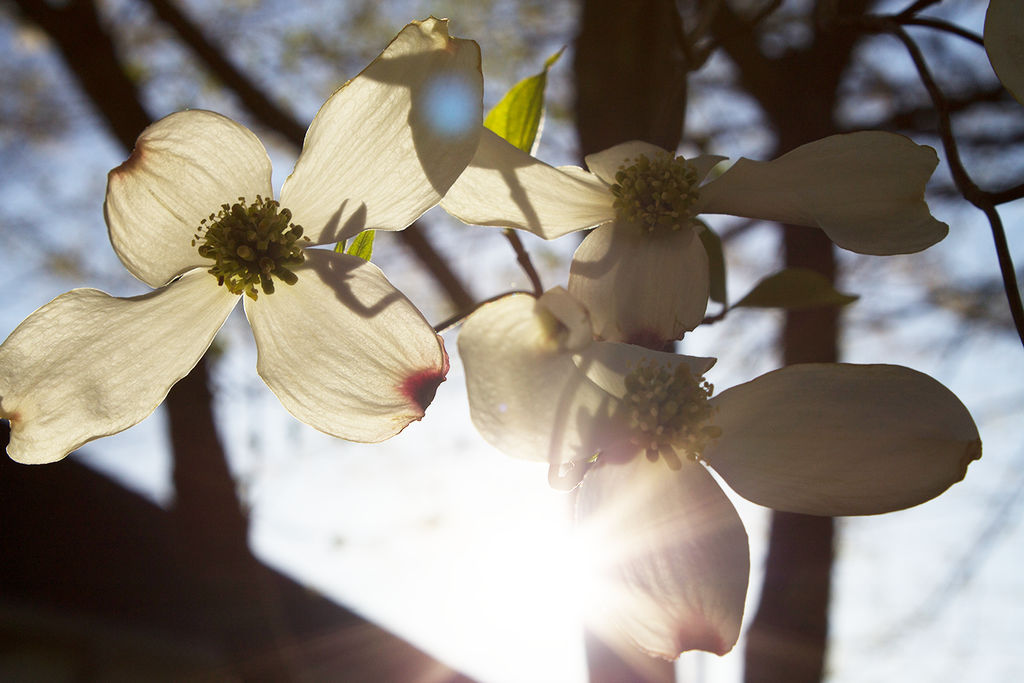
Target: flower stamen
668 412
656 195
251 244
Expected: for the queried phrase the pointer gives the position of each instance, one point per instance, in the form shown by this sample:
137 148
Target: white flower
642 429
643 274
1004 43
191 213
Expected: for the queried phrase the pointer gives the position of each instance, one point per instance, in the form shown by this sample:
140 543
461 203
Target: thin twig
454 320
915 8
942 25
970 191
1008 195
524 260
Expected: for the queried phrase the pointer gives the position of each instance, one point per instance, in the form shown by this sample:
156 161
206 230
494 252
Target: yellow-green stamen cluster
668 412
251 244
656 195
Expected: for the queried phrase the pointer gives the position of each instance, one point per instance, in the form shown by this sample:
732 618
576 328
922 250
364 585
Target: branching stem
984 201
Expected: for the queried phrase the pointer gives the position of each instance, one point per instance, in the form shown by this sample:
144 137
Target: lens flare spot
449 106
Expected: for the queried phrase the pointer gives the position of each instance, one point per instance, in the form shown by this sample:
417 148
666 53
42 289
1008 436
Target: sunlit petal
606 364
345 351
1004 43
641 288
672 553
88 365
183 168
526 396
865 190
507 187
387 145
606 163
837 439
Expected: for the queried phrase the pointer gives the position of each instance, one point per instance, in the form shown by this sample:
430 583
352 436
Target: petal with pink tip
670 553
183 168
643 289
344 351
88 364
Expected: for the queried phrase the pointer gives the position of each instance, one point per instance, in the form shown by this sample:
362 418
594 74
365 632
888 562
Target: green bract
518 115
794 288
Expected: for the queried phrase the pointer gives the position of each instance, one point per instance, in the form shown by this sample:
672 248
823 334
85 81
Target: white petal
388 145
606 364
672 553
526 397
344 351
605 164
836 439
704 163
88 365
507 187
183 168
1004 43
639 288
574 331
865 190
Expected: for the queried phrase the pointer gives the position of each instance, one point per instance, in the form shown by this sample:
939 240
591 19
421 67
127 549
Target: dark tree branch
254 99
945 26
89 54
1007 195
207 511
981 199
914 118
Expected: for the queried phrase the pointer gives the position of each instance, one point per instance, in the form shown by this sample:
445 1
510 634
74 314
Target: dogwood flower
191 213
643 273
642 429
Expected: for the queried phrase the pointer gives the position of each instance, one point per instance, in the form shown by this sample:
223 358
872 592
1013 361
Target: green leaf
518 115
716 263
362 246
794 288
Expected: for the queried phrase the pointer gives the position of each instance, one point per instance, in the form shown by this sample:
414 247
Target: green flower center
251 244
656 195
668 412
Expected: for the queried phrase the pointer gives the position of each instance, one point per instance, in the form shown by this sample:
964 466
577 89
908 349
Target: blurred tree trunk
630 76
207 513
786 641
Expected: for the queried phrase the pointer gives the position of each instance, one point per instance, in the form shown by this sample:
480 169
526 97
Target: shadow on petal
446 111
338 272
336 230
